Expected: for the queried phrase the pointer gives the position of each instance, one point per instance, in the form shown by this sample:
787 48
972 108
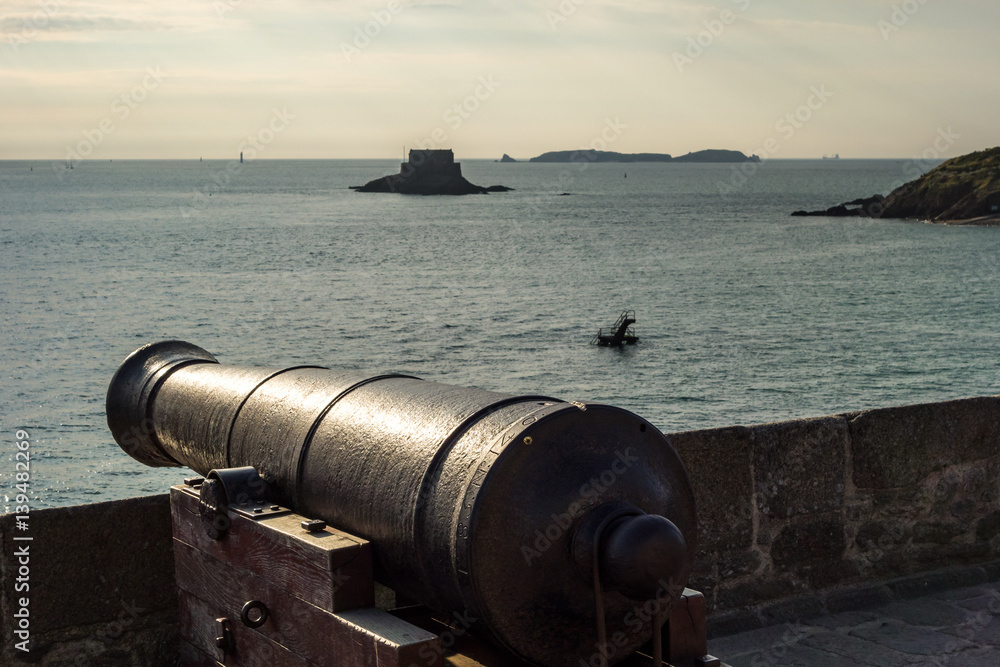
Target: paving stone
793 610
990 601
937 582
925 612
959 595
981 657
905 638
733 623
982 629
854 650
862 598
795 656
965 632
844 621
755 641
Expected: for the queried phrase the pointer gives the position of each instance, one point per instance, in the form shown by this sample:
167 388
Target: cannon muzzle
516 511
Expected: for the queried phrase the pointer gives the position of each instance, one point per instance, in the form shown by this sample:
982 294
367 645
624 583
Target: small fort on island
429 172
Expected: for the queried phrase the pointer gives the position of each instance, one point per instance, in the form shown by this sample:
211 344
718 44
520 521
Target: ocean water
745 314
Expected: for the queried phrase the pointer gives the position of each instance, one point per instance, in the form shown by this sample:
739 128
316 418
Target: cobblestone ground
957 628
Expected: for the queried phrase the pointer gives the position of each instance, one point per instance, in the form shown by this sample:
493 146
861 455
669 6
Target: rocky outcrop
428 172
716 156
585 155
963 190
865 208
507 158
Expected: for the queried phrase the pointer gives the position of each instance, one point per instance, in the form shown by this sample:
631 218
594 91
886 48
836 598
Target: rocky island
585 155
962 191
428 172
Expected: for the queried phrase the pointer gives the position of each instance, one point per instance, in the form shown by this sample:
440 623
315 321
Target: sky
107 79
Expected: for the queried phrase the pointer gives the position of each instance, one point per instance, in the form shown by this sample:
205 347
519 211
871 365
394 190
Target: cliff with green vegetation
965 188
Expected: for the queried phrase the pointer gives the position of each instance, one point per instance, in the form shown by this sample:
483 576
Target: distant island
507 158
428 172
590 155
964 190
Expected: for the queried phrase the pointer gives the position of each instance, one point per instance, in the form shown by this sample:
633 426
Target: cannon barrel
505 508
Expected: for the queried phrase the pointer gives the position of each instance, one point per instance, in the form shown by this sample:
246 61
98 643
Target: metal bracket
239 489
225 639
257 511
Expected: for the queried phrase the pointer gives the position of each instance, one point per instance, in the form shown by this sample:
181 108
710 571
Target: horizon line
490 159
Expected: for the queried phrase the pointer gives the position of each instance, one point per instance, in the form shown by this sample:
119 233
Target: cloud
78 23
65 20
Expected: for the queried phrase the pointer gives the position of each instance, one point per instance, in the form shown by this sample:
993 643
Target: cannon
564 531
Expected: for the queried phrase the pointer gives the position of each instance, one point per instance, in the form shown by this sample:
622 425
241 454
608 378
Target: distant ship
835 156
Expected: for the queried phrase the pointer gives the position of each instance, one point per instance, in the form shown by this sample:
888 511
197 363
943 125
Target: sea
745 315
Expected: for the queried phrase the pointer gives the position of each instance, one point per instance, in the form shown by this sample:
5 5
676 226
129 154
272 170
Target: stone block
107 562
912 641
810 542
942 556
964 509
719 463
926 612
878 537
860 598
988 527
151 641
800 467
937 582
794 609
739 564
796 655
897 447
828 574
846 649
937 532
889 565
753 592
731 623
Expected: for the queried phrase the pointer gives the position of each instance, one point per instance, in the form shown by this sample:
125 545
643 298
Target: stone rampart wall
101 587
793 509
795 518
